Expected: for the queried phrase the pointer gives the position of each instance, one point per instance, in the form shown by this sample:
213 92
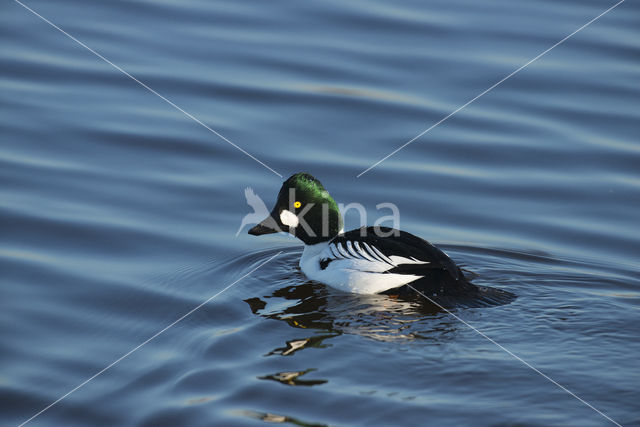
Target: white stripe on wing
363 252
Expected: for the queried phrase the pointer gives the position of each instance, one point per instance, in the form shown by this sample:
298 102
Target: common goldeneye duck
368 260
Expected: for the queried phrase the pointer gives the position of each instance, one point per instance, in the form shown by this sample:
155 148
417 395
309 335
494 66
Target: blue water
118 213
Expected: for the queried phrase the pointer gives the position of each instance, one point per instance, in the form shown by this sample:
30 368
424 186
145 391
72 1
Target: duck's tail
446 292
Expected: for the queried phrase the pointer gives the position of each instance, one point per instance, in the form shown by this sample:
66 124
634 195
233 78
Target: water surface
118 213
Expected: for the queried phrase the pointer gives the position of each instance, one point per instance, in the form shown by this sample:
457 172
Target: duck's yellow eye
297 205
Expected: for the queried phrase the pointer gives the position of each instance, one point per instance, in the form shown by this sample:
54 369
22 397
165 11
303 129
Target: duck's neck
315 240
319 236
312 251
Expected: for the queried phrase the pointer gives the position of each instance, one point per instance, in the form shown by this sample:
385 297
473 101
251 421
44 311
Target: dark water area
118 213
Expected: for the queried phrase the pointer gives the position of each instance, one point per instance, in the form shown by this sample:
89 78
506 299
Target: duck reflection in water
327 313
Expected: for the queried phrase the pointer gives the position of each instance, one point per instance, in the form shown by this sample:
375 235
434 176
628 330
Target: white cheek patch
289 218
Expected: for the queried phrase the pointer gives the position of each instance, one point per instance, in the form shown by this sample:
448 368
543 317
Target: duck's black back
442 281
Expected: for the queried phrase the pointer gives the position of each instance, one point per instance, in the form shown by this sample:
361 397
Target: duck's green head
305 209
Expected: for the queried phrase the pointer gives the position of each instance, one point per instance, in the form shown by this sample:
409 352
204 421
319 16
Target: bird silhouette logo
259 213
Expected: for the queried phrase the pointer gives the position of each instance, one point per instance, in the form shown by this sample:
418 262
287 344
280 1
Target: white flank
353 269
397 260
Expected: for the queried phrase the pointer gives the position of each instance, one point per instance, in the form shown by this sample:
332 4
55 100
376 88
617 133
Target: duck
369 259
